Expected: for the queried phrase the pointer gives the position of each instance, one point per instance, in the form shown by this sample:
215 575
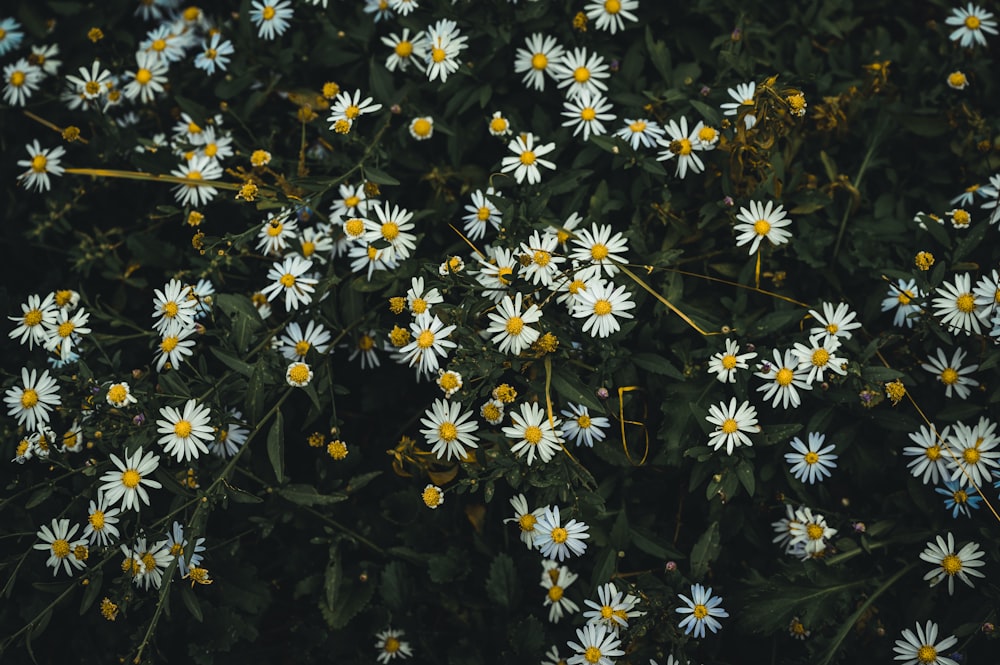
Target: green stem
856 185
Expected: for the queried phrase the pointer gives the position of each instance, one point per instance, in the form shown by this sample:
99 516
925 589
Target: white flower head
556 540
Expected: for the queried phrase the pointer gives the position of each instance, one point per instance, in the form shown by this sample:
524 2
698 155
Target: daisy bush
473 331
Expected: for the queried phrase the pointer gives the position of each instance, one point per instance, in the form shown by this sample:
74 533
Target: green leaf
172 384
744 471
646 542
191 603
351 601
657 365
972 239
705 551
359 481
775 321
395 586
501 584
620 531
307 495
240 495
276 446
39 497
566 384
232 362
780 433
709 113
91 592
880 374
255 392
332 578
379 177
527 638
605 567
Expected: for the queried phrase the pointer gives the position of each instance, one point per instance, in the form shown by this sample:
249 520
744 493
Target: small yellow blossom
547 343
397 304
109 610
248 192
260 158
580 22
924 260
337 449
895 391
505 393
316 440
330 89
399 336
433 496
71 133
195 218
95 35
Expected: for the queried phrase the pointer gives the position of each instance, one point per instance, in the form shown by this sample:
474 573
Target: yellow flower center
555 594
302 348
637 127
17 79
183 429
729 362
170 309
811 458
905 297
422 127
729 426
504 275
308 248
949 376
390 231
287 280
63 297
581 75
926 653
143 76
588 114
832 328
438 54
528 157
576 286
483 214
66 328
60 548
96 520
299 373
352 112
559 535
29 398
599 252
539 61
391 645
38 163
92 88
933 452
515 325
448 432
971 455
612 6
492 413
533 434
404 49
583 421
592 655
972 22
211 54
706 134
176 549
966 303
351 201
354 227
951 564
448 381
541 257
425 339
762 227
158 45
117 393
602 307
527 522
131 478
169 344
814 531
700 611
784 376
960 496
149 562
820 357
268 13
681 147
499 124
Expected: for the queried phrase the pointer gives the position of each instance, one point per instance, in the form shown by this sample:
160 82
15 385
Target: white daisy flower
706 137
449 381
432 496
835 321
785 376
444 44
611 15
296 343
173 349
91 83
214 53
901 296
298 374
527 159
510 327
380 9
100 529
955 304
173 308
731 424
544 266
498 125
289 279
497 273
542 55
948 563
761 221
597 646
36 314
393 227
602 305
526 519
810 531
725 363
987 293
41 164
147 80
365 347
920 648
419 301
972 21
702 610
449 431
613 609
178 547
931 459
389 645
598 250
555 579
314 244
429 335
975 453
271 17
534 433
31 402
164 44
119 395
231 436
782 530
64 552
682 145
422 128
556 540
369 258
482 213
492 411
952 374
129 482
578 72
819 356
198 169
352 202
404 7
743 95
405 51
21 79
587 112
640 132
145 563
64 333
348 108
811 463
185 434
581 427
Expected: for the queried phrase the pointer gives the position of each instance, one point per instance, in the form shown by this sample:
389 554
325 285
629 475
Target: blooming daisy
492 411
422 128
613 609
811 463
987 293
429 335
129 482
41 164
185 434
449 382
119 395
603 305
231 437
587 112
368 257
960 219
498 272
214 53
271 17
11 35
390 646
702 610
35 314
610 15
818 356
761 221
956 305
581 427
900 297
972 21
557 541
164 44
533 433
555 579
682 145
598 250
145 563
482 213
380 9
544 265
920 648
148 78
298 374
444 43
217 147
731 423
706 137
577 71
540 57
353 201
419 301
959 498
498 125
347 108
835 321
63 333
743 95
432 496
952 374
404 7
393 227
31 402
974 455
526 519
527 159
188 556
21 79
173 309
197 170
509 326
597 646
289 278
786 375
930 462
92 83
449 431
314 244
64 552
948 563
405 50
809 531
725 363
640 131
101 520
296 343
